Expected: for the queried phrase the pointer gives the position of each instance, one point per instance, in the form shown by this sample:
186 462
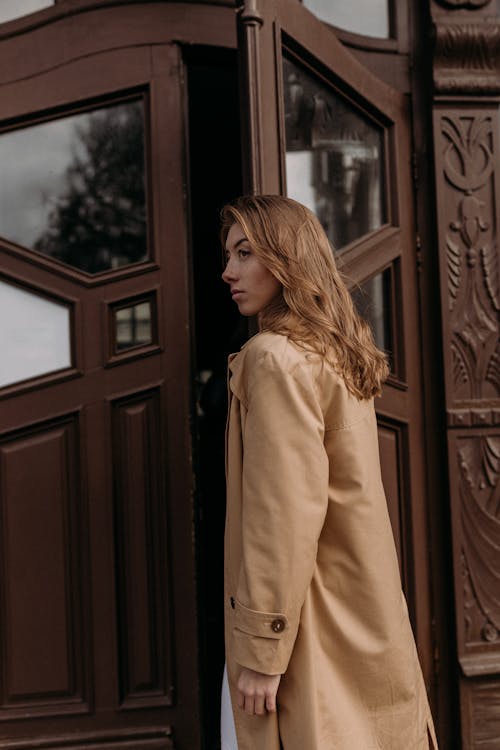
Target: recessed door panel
144 601
45 635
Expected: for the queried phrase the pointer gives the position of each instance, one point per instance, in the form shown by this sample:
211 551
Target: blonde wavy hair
315 309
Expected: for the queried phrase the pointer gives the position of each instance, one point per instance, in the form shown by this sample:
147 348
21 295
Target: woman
319 649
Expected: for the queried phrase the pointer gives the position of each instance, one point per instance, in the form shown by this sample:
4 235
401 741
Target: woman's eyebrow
237 243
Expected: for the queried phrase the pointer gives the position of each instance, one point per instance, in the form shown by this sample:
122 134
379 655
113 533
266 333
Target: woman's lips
237 293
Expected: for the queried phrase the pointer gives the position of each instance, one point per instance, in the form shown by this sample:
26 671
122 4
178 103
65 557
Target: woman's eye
243 253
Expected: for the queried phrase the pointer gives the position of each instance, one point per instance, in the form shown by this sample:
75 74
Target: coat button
278 625
232 602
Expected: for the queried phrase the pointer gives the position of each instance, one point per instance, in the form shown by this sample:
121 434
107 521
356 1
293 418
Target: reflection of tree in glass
99 219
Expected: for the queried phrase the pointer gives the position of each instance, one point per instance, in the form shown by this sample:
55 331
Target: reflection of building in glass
334 158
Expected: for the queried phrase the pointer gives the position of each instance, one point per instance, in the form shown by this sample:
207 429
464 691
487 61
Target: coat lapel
235 376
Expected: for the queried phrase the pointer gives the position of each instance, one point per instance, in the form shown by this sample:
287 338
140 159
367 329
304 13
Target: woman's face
252 285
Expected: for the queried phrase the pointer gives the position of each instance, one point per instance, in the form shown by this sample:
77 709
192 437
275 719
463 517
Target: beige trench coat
312 586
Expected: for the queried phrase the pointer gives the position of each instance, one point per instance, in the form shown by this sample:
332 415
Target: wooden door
322 129
98 621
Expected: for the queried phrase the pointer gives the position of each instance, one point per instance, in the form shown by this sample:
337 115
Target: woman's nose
228 275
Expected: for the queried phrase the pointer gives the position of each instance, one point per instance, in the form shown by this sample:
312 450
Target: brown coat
312 586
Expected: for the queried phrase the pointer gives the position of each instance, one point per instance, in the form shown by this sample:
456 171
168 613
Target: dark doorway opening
218 329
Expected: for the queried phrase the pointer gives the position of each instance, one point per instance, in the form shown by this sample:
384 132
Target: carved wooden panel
466 153
481 714
476 532
43 595
142 552
466 56
467 184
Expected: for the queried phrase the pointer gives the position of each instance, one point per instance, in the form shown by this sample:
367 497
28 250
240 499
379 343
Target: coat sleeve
284 503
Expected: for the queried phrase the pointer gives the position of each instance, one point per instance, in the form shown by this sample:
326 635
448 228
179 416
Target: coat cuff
262 641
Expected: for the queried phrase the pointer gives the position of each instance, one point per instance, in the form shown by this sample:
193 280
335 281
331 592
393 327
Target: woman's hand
256 692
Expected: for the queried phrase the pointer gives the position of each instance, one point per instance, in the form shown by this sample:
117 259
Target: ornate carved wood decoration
466 63
467 148
467 57
472 260
478 466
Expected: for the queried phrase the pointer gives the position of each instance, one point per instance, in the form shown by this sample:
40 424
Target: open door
322 129
99 636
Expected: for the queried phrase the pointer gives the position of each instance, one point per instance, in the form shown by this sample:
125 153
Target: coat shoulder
274 350
272 354
263 355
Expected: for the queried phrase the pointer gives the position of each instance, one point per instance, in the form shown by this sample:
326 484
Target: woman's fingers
271 702
249 705
256 692
255 704
260 704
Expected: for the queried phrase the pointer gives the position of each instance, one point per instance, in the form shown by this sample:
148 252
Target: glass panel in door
334 157
373 300
367 17
10 9
35 335
133 326
74 188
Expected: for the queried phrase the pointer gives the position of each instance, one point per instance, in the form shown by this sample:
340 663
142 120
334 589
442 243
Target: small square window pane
133 326
10 9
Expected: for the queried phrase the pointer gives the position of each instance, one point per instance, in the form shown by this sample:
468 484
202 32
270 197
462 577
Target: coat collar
235 360
236 368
